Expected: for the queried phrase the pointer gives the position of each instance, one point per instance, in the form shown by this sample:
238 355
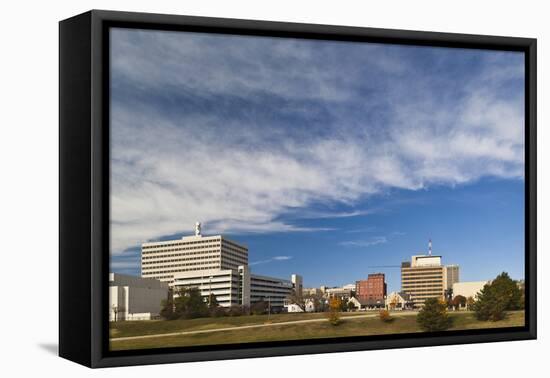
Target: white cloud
276 258
375 240
236 175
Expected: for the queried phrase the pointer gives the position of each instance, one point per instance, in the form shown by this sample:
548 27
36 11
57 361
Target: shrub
235 310
433 316
385 316
335 306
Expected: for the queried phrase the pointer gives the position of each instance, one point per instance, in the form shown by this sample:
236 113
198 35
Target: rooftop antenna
198 229
430 247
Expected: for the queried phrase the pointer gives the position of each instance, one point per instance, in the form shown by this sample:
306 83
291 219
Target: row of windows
413 282
422 287
419 291
211 258
207 262
180 243
225 241
155 256
180 270
196 248
420 271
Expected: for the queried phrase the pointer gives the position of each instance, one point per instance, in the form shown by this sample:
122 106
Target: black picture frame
84 187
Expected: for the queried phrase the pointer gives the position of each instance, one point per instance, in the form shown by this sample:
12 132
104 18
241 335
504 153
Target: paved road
371 315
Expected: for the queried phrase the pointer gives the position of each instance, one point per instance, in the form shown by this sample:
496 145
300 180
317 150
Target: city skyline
326 168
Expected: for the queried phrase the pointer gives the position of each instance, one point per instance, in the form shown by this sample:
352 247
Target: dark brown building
373 288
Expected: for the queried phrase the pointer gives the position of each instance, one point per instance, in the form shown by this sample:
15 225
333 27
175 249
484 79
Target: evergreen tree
433 316
497 297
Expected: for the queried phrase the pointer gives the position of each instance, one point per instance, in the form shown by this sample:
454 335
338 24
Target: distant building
215 265
468 289
309 305
355 302
297 283
425 277
163 259
292 307
452 276
340 292
135 298
373 288
371 304
398 301
313 291
236 287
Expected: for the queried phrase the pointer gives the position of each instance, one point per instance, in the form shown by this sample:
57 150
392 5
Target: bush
235 310
433 316
259 308
501 295
335 305
385 316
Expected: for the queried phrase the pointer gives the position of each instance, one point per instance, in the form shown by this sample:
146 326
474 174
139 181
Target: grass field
350 326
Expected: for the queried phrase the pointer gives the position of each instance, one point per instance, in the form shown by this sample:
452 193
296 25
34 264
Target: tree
385 316
297 299
343 304
470 302
497 297
335 305
167 308
189 304
433 316
259 308
351 306
212 301
459 301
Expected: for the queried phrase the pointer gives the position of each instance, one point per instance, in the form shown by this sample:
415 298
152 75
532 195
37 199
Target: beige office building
164 259
425 277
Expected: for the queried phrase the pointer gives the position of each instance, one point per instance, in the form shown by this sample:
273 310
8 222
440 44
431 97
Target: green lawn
153 327
403 323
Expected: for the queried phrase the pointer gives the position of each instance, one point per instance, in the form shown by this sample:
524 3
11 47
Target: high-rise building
214 265
297 283
425 277
163 259
451 276
374 288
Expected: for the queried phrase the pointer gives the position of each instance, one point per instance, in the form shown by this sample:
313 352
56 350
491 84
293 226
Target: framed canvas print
234 188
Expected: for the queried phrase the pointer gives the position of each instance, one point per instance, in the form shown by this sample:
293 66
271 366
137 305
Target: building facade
236 287
135 298
468 289
373 288
452 276
298 285
425 277
398 301
162 260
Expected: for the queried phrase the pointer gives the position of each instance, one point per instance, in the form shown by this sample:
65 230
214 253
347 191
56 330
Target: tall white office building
163 259
214 265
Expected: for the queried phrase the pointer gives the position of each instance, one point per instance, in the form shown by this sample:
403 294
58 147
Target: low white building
468 289
135 298
398 301
293 307
236 287
355 302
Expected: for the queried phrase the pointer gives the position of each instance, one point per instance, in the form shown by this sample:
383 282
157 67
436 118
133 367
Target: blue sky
328 159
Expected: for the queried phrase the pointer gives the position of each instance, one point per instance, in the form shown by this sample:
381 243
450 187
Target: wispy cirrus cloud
246 134
273 259
375 240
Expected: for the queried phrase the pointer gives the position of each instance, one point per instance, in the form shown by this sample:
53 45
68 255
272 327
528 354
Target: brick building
372 289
